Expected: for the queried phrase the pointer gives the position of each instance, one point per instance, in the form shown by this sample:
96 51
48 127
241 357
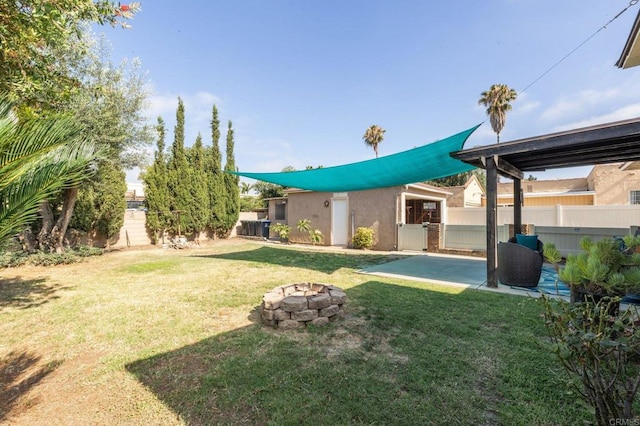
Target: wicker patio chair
519 265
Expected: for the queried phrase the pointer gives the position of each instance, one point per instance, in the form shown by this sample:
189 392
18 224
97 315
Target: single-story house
391 212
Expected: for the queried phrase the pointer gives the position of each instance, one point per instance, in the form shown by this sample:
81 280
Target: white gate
412 237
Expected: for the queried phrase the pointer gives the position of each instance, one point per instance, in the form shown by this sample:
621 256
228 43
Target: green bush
88 251
51 259
599 350
283 230
363 238
15 258
315 235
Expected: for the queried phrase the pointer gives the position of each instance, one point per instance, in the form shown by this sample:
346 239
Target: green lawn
172 337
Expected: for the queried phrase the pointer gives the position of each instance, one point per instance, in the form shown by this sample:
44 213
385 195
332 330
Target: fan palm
373 136
497 99
38 158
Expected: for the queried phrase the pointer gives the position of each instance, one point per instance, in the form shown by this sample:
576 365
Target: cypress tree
199 210
231 184
178 182
110 187
156 188
100 205
215 178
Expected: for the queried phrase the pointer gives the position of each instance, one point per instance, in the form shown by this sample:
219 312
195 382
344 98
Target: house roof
600 144
548 187
630 56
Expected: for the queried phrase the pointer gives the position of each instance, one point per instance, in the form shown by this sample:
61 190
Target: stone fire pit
297 305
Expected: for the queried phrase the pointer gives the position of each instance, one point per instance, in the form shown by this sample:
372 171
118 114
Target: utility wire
631 3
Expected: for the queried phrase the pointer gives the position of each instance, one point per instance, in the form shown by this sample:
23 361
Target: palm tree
497 99
38 158
245 187
373 136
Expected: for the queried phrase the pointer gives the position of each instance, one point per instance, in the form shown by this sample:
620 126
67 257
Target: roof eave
630 56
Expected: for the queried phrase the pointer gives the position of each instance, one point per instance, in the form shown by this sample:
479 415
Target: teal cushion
530 241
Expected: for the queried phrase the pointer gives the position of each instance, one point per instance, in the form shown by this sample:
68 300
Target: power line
631 3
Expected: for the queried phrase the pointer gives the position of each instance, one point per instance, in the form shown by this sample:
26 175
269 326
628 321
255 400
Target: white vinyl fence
574 216
564 226
470 237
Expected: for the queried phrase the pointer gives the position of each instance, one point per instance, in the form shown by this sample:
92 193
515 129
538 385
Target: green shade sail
420 164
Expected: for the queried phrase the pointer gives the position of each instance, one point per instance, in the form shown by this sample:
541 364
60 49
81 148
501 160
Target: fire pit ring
299 305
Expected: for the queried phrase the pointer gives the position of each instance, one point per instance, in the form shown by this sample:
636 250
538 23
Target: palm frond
38 158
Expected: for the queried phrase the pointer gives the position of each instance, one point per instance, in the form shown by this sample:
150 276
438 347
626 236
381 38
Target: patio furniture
519 265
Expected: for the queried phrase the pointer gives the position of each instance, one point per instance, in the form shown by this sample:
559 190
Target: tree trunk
60 229
46 214
28 241
51 236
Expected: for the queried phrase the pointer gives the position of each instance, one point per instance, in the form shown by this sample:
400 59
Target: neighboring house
606 184
630 56
468 195
135 196
574 192
338 215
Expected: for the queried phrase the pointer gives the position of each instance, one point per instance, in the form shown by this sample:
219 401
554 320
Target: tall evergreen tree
215 179
156 188
100 206
110 186
199 210
231 184
177 173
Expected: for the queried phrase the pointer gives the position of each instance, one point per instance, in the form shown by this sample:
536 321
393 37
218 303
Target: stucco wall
374 208
309 205
612 185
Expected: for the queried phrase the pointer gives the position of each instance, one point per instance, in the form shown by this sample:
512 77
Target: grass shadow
20 373
326 262
22 293
401 355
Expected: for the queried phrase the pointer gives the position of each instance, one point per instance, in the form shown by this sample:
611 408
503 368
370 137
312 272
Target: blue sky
302 80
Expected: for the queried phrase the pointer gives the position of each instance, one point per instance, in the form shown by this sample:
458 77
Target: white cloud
575 105
624 113
527 107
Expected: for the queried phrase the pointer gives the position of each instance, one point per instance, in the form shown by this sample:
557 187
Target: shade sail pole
517 206
492 219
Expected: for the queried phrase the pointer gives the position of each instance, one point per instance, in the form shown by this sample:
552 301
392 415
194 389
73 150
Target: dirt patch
72 391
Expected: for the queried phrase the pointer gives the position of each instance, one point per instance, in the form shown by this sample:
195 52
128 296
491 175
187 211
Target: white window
634 197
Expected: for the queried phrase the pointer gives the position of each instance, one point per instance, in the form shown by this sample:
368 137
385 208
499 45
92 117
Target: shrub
283 230
599 349
51 259
315 235
10 259
363 238
88 251
13 259
607 267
